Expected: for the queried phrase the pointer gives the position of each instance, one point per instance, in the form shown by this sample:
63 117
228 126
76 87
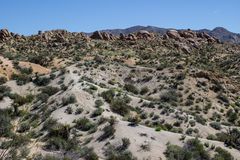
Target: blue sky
29 16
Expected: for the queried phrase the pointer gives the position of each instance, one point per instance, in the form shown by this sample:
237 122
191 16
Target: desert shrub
17 141
50 123
131 88
25 70
42 97
56 143
50 90
134 120
222 154
223 98
5 90
78 111
232 138
108 131
119 106
231 115
3 80
69 110
144 90
41 81
108 95
200 119
84 124
59 130
45 157
192 149
192 123
113 153
89 154
21 79
97 112
169 96
68 100
125 144
24 127
158 128
41 59
58 137
144 115
215 125
5 123
98 103
20 100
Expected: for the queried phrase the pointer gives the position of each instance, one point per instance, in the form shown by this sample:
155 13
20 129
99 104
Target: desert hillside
141 95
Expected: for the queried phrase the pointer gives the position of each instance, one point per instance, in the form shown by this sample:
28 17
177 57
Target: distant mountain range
219 32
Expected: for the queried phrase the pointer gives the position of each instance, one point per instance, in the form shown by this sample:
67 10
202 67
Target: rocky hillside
128 96
221 33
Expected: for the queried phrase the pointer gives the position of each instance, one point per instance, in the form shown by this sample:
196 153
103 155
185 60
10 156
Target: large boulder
102 36
131 37
143 34
4 34
96 35
187 34
174 34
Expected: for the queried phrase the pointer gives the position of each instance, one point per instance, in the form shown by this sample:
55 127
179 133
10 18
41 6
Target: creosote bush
131 88
84 124
68 100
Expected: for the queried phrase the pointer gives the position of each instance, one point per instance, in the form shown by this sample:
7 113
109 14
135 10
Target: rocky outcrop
189 36
187 39
143 34
102 36
5 34
174 34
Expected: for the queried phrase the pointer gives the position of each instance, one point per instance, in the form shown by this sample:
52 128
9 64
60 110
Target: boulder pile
5 34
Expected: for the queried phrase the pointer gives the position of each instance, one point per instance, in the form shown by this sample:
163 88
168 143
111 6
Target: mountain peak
221 30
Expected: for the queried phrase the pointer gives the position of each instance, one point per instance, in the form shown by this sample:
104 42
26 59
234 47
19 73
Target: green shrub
59 130
50 90
97 112
108 95
69 110
116 154
231 115
88 154
222 154
131 88
21 79
42 97
144 90
169 96
20 100
223 98
231 138
3 80
68 100
24 127
5 123
98 103
108 131
41 81
56 143
192 149
215 125
119 106
78 111
125 144
200 119
84 124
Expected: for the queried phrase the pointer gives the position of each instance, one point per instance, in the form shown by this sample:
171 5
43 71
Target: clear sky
29 16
